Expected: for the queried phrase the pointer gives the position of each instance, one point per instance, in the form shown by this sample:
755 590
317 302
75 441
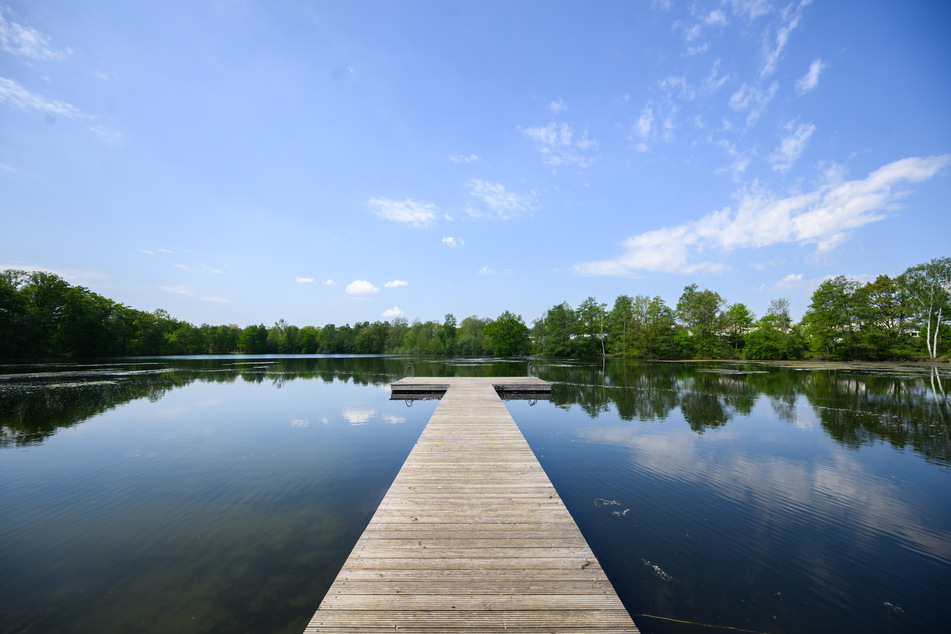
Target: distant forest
891 318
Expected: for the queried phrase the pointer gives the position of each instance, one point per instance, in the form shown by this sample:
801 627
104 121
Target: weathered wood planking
471 536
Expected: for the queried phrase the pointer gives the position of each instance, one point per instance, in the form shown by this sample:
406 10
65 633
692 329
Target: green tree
18 332
620 326
768 341
737 322
447 335
778 313
559 331
325 339
253 340
831 321
882 311
659 330
929 289
396 335
590 336
508 335
699 312
470 338
308 340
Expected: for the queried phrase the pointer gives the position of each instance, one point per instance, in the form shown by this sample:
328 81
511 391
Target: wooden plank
471 536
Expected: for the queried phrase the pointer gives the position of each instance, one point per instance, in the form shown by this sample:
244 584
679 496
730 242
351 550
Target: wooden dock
471 536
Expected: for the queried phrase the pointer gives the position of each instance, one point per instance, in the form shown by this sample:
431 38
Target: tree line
890 318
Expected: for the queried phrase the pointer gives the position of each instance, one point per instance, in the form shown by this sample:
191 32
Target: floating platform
471 536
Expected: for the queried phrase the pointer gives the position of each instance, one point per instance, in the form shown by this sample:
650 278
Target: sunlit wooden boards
471 536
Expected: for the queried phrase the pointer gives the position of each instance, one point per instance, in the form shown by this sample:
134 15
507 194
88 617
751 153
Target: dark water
224 494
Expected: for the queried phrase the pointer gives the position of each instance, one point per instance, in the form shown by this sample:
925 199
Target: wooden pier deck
471 536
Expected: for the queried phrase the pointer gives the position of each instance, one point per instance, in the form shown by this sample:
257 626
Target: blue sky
333 162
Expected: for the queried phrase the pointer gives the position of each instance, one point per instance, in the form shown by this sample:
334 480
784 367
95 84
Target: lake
223 494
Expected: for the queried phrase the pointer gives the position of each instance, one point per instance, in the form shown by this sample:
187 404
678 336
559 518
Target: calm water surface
223 494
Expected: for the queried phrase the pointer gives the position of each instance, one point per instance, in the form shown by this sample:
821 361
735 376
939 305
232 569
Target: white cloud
791 147
178 290
678 84
412 212
558 106
146 251
396 283
751 9
105 76
754 99
459 158
715 17
107 135
361 287
329 283
795 284
712 82
501 202
811 79
19 97
27 42
453 242
697 50
645 123
485 270
771 54
220 300
392 312
559 144
305 280
824 218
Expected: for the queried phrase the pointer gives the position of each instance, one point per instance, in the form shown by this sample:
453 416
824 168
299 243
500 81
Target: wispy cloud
396 284
557 107
392 312
644 127
461 158
791 147
178 290
218 300
714 80
811 79
413 212
560 144
825 218
453 242
305 280
329 283
715 17
105 76
27 42
750 9
109 136
773 49
361 287
677 86
500 202
19 97
753 100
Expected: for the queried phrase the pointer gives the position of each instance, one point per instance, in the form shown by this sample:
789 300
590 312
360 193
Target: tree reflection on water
904 405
